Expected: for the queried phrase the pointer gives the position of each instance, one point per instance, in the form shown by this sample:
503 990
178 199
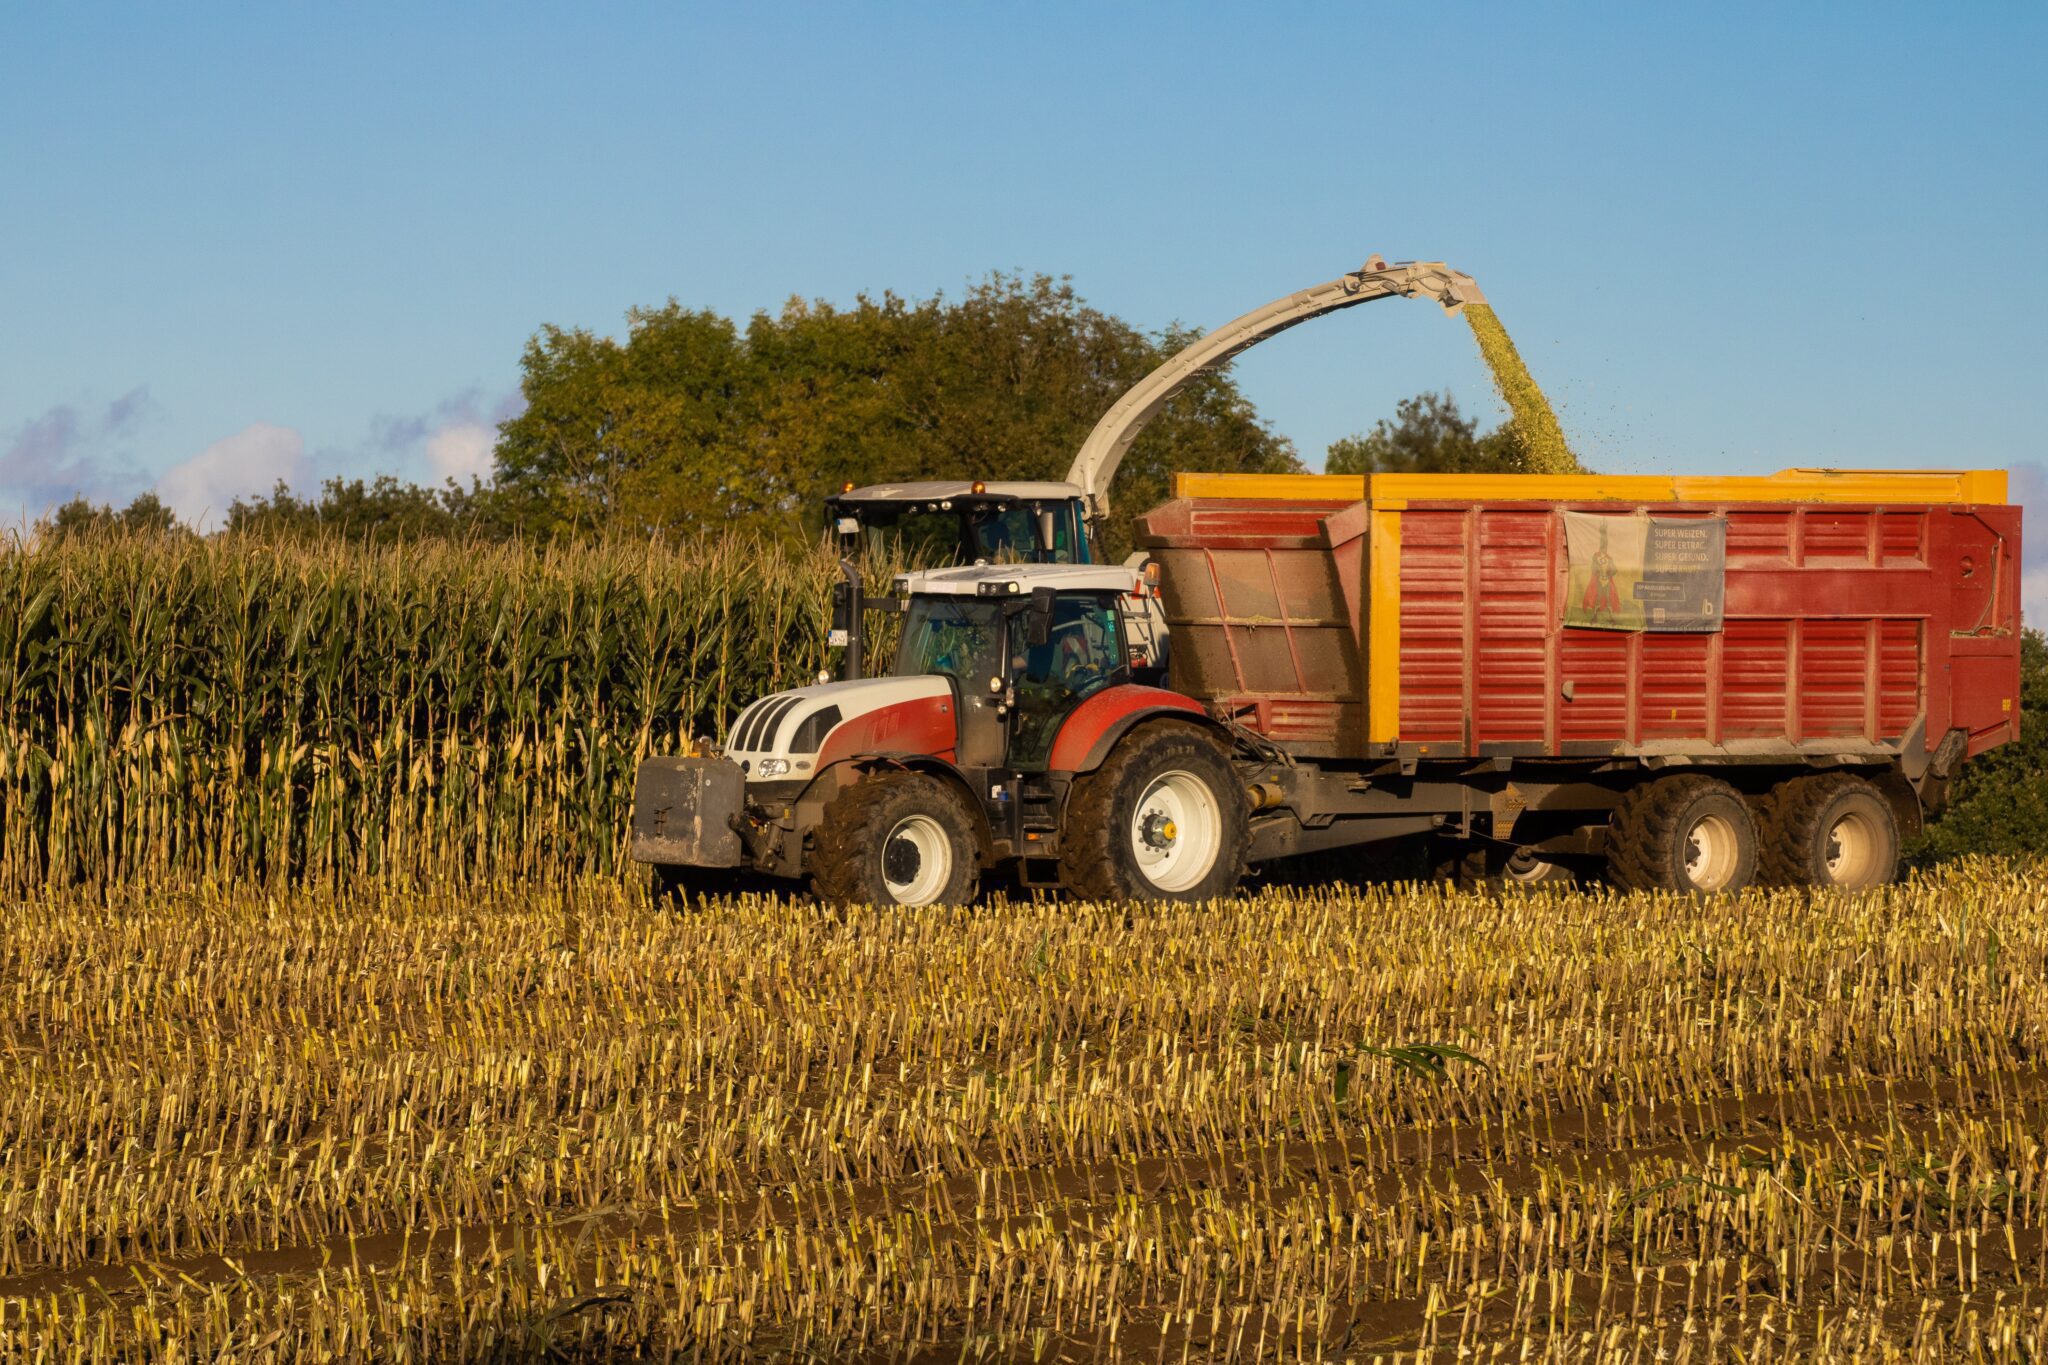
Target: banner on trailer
1633 571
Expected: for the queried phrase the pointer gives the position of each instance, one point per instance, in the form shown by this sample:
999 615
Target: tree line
692 421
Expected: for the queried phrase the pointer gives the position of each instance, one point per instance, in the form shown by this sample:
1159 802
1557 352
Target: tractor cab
1023 646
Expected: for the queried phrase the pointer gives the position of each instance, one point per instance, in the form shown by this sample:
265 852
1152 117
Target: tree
147 514
1427 436
688 422
633 435
383 511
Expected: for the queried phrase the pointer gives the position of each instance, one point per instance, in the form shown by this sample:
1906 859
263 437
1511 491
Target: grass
436 1121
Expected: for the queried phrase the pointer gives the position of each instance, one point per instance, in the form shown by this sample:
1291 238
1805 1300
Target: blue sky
244 243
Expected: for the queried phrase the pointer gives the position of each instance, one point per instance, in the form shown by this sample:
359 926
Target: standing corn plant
240 708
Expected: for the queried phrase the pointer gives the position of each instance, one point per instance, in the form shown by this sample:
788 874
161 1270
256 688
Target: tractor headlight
771 767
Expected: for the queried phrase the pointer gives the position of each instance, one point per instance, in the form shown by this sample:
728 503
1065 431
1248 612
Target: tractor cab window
1082 654
959 637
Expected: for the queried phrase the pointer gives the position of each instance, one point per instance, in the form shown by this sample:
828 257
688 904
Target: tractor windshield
960 637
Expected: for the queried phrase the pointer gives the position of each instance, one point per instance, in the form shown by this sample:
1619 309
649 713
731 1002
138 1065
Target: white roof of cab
940 490
968 581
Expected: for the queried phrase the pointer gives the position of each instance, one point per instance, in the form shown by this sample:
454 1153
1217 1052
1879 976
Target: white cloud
246 464
462 451
2034 598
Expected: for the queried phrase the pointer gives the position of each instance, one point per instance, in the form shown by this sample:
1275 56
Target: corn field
443 1121
242 710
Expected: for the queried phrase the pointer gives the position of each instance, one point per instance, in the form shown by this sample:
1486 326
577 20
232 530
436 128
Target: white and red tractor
1010 734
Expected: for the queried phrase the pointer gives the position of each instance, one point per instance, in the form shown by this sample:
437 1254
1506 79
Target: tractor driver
1076 661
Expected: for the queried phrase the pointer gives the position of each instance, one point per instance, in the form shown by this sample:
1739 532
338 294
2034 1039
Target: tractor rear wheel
1164 819
1831 830
1689 833
896 838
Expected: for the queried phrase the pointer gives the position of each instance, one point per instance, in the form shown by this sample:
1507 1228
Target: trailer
1680 684
1687 683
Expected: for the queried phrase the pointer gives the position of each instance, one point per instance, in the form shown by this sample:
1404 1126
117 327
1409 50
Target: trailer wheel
896 838
1689 833
1476 867
1833 830
1163 819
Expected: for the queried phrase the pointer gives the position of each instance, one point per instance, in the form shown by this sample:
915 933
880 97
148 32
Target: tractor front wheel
896 838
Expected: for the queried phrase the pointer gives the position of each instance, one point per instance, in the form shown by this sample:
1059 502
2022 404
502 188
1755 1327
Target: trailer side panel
1435 627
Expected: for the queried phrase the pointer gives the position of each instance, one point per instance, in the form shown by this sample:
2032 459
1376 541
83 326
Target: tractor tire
1688 833
1164 819
1496 867
1833 830
896 838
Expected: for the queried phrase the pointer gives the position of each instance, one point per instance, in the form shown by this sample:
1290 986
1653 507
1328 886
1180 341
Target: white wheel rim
1176 831
1711 852
1524 866
917 860
1851 851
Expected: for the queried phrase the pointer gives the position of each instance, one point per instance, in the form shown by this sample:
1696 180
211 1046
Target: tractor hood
811 726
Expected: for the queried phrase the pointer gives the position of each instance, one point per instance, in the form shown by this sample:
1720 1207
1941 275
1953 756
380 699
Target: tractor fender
1087 736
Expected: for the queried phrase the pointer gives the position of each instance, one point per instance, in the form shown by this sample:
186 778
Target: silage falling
1544 450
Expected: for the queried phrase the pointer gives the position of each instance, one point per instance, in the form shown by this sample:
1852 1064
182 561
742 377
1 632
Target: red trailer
1728 675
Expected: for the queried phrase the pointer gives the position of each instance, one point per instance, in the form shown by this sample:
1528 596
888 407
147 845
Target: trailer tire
1689 833
1497 867
896 838
1168 790
1832 830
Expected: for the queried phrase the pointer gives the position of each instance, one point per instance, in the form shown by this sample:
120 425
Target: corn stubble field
331 1027
529 1121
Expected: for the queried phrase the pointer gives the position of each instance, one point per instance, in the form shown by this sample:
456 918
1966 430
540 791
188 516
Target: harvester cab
1023 522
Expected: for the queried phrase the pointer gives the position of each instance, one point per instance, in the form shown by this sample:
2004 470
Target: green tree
2000 802
635 434
1428 435
381 511
687 422
146 514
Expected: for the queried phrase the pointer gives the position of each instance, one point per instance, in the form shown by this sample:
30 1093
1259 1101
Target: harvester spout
1100 455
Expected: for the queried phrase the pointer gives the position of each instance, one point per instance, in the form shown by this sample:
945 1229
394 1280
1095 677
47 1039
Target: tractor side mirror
1046 529
1038 619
